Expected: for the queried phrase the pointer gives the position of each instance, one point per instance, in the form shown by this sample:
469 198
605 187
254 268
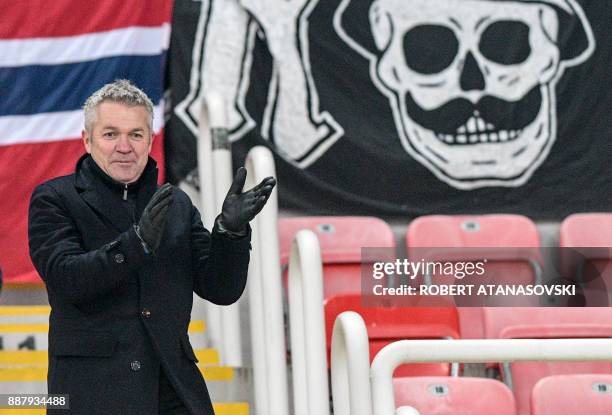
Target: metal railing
215 173
350 386
350 366
265 296
307 324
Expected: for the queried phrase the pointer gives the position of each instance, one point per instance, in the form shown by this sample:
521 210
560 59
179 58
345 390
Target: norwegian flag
53 55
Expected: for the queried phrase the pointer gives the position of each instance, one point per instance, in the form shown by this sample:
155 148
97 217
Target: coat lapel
107 203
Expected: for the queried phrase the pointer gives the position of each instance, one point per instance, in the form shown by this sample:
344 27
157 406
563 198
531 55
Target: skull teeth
484 137
476 130
475 124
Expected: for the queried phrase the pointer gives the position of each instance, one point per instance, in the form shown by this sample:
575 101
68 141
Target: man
121 259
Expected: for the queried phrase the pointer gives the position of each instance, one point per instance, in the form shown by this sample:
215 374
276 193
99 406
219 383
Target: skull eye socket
430 49
506 42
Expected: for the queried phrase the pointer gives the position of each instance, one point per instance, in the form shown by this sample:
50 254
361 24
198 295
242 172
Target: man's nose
123 144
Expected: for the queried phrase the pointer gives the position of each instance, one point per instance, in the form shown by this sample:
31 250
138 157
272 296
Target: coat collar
105 195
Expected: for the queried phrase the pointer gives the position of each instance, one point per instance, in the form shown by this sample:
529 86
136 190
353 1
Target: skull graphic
472 82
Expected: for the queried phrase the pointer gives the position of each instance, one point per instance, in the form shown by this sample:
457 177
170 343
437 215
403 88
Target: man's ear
86 140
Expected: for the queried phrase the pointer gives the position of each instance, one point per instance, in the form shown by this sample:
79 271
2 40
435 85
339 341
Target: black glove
153 220
240 208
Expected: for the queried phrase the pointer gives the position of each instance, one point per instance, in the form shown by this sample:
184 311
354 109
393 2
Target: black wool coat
118 314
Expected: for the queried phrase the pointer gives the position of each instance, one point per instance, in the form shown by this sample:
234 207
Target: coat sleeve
220 263
57 251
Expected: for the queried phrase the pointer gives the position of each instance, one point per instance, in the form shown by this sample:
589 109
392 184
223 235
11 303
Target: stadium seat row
553 395
511 240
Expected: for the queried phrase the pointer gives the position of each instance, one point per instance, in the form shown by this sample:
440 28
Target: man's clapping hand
239 208
153 220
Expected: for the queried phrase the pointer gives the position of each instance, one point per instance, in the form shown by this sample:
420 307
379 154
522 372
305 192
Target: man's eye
137 136
109 134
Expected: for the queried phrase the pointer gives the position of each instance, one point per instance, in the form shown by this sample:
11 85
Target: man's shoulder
180 194
57 184
53 193
182 199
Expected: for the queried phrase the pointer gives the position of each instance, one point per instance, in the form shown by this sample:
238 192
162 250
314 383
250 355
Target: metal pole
231 339
350 366
267 292
208 211
307 323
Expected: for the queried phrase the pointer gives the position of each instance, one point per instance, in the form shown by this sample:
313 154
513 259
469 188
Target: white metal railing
474 351
215 171
358 389
231 339
206 173
307 324
350 366
265 296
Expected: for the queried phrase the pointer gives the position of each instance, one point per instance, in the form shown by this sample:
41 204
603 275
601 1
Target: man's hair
121 91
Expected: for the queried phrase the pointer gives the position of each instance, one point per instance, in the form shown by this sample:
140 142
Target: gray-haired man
121 259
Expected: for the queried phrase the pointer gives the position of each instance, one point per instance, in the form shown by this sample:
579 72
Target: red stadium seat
546 319
523 376
586 230
509 242
586 254
573 395
546 322
341 239
472 231
388 324
454 396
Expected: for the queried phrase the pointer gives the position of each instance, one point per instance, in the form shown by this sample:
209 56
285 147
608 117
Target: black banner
406 108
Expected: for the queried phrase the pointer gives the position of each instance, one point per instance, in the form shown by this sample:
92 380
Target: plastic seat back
454 396
572 395
509 242
523 376
341 239
585 240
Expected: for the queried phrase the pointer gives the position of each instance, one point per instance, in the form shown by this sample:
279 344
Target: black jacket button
135 365
119 258
146 313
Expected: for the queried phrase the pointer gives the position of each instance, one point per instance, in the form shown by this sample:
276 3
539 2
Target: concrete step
24 328
24 310
24 358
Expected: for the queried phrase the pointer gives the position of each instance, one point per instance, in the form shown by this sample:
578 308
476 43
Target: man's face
120 140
